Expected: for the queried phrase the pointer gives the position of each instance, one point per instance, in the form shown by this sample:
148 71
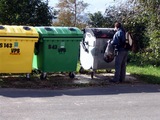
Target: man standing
122 53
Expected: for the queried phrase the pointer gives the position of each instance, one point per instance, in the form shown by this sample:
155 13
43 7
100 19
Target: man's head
117 25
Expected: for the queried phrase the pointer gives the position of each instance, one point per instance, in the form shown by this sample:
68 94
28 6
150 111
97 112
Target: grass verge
149 74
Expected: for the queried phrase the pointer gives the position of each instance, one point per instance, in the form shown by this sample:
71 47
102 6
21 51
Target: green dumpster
58 48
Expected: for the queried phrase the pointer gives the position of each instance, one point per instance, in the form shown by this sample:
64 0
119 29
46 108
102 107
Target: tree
152 10
25 12
97 20
71 13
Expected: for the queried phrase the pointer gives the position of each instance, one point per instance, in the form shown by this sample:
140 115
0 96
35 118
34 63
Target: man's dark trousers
120 66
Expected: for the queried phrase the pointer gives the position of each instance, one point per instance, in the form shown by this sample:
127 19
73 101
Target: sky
94 5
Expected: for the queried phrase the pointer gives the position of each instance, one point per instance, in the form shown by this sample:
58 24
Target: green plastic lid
59 32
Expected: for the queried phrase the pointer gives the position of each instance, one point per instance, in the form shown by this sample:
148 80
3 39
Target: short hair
118 25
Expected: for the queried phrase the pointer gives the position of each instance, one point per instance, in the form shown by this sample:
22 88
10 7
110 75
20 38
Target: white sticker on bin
62 45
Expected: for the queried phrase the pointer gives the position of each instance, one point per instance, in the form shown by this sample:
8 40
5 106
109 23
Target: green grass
148 74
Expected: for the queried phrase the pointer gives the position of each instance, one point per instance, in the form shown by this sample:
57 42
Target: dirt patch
59 81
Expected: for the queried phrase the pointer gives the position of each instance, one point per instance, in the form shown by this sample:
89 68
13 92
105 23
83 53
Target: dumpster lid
59 32
18 31
101 32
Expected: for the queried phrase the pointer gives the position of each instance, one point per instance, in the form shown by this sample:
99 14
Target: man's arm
115 40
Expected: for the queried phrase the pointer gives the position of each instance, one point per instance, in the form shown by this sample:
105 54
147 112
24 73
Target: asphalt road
113 102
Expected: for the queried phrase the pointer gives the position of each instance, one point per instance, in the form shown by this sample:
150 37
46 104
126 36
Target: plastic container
58 48
17 48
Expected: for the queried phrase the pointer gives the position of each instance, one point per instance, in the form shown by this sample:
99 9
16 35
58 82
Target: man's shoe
122 81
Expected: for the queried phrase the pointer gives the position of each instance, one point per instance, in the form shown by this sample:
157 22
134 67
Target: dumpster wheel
81 70
28 76
43 76
72 75
92 74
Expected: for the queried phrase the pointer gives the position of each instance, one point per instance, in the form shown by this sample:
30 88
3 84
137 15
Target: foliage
97 20
145 57
70 13
107 20
150 14
25 12
154 55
